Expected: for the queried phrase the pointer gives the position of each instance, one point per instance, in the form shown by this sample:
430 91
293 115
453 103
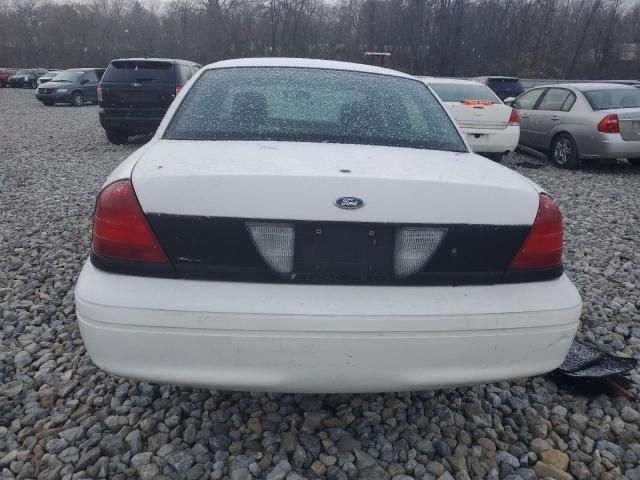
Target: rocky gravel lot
63 418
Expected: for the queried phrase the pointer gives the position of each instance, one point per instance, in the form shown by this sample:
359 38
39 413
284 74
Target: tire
77 100
48 103
117 137
496 157
564 152
33 84
634 161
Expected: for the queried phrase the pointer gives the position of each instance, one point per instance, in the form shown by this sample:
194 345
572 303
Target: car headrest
249 106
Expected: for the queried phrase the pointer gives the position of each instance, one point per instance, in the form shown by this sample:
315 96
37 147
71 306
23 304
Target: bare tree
557 38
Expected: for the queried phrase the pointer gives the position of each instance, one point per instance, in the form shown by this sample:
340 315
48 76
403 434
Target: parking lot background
62 417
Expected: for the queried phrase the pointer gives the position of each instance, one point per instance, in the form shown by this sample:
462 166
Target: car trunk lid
472 114
298 180
629 121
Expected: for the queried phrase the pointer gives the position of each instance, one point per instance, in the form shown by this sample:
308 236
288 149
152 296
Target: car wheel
117 137
48 103
634 161
77 100
496 157
564 152
33 84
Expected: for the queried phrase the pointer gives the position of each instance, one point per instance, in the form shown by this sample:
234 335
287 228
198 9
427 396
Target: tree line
528 38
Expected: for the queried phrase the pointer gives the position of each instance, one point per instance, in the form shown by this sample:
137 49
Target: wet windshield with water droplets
313 105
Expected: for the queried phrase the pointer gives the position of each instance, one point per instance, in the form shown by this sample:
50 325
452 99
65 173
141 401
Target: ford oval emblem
349 203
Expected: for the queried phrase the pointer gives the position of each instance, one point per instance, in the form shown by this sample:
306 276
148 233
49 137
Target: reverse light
99 92
178 88
609 124
543 246
120 229
414 247
275 242
514 118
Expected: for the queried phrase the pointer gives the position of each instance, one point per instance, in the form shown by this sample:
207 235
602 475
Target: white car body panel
486 127
323 338
492 140
252 179
317 337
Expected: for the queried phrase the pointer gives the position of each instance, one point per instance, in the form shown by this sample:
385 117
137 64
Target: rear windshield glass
315 105
452 92
614 98
139 71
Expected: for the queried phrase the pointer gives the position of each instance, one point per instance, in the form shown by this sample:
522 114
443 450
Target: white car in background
47 77
314 226
490 127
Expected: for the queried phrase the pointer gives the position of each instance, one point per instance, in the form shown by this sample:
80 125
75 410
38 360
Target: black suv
135 93
503 87
75 86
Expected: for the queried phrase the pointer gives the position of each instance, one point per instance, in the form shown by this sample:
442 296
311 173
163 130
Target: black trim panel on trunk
215 248
141 269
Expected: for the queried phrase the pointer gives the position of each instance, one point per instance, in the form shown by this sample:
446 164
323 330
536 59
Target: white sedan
490 127
314 226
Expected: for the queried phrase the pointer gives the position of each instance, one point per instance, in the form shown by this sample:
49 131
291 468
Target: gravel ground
61 417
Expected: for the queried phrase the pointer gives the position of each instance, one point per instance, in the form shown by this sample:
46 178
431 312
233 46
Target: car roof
306 63
585 87
497 77
153 59
456 81
603 86
84 69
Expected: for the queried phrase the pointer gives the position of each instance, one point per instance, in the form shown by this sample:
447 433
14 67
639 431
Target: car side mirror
509 101
84 80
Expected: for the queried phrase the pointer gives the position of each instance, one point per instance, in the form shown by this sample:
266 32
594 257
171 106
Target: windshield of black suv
68 76
602 99
460 92
140 71
313 105
24 72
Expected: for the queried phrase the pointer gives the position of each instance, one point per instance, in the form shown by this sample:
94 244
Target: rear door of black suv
138 88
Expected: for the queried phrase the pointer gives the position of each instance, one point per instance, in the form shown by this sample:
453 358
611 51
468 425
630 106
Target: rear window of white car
614 98
314 105
452 92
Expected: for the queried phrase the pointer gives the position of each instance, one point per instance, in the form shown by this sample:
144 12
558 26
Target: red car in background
5 73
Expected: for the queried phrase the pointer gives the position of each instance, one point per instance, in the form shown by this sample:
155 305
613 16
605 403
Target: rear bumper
609 145
130 120
310 338
54 97
492 140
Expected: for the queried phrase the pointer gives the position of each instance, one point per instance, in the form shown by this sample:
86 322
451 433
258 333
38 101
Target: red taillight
99 92
543 246
120 229
609 124
514 119
178 88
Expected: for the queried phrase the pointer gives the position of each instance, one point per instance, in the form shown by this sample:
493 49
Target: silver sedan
580 121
